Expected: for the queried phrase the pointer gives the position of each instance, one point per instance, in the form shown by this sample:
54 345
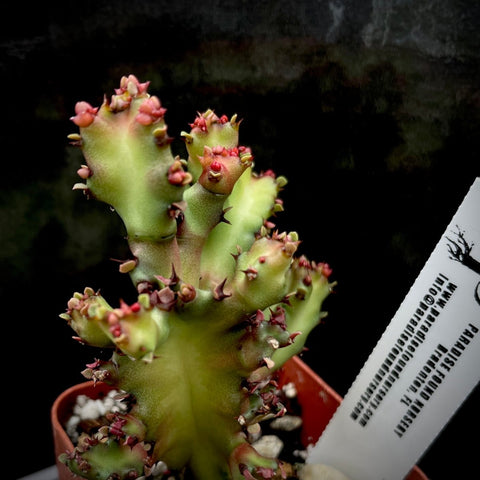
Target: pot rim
295 370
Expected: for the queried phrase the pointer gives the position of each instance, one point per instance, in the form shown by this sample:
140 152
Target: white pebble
287 423
86 408
269 446
82 400
290 390
71 427
159 468
90 410
303 454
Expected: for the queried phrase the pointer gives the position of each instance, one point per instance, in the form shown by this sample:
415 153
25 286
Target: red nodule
216 166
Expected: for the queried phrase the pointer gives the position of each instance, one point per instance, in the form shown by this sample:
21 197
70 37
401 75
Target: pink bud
150 111
269 173
177 175
244 471
216 166
218 150
119 103
116 330
85 114
326 269
84 172
307 280
265 472
200 123
131 85
135 307
187 293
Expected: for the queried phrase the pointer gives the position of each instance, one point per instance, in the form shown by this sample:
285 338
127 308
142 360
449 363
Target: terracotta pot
319 402
317 399
61 411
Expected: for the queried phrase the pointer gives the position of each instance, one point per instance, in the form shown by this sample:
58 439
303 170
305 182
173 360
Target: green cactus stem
222 301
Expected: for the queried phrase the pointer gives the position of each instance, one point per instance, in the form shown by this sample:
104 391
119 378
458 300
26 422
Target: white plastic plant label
423 367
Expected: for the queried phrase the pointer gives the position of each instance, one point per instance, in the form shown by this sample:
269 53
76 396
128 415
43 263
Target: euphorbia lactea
222 300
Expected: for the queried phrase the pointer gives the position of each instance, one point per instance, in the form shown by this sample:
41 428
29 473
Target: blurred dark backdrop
370 108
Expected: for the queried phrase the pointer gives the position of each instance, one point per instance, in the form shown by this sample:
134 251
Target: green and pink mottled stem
222 300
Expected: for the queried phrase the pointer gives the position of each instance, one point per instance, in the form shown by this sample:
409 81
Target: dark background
371 109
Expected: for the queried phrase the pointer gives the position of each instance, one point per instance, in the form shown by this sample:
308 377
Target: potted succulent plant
223 301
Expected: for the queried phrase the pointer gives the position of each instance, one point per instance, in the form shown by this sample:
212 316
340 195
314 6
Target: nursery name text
431 376
404 347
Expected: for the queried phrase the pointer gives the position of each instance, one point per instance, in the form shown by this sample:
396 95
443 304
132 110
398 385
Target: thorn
218 292
75 139
278 318
175 210
281 181
89 292
293 236
251 273
268 362
127 266
290 248
292 337
222 216
278 207
274 343
246 157
322 316
161 137
236 255
263 231
166 299
301 293
331 287
257 319
148 357
286 299
187 137
233 121
172 281
160 132
145 287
